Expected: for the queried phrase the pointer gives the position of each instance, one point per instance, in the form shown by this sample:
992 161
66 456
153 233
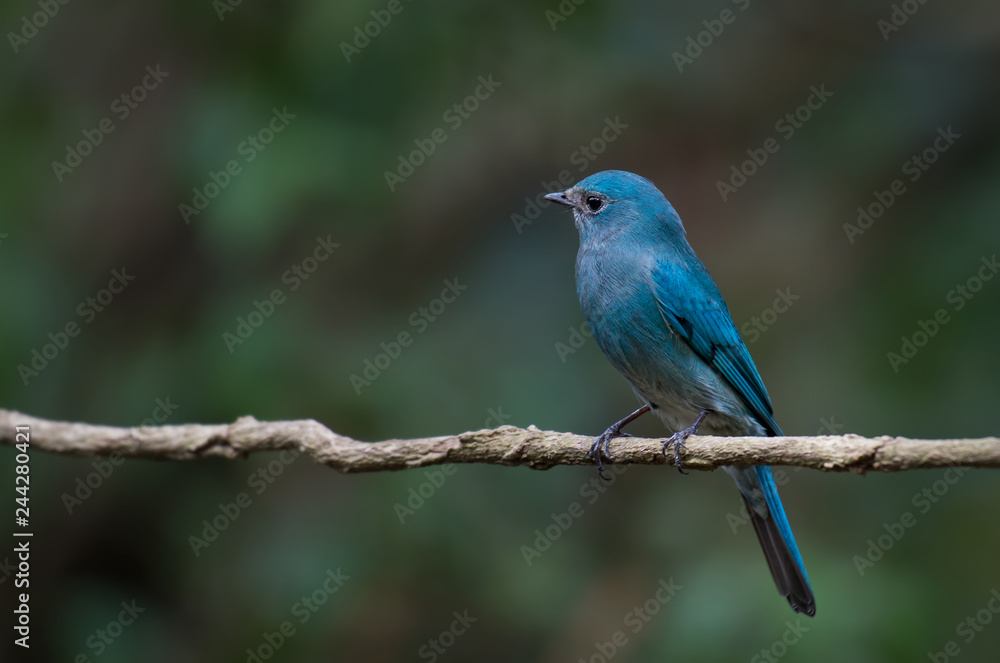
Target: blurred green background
492 354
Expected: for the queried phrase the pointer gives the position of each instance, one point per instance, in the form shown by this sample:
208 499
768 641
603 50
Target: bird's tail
760 495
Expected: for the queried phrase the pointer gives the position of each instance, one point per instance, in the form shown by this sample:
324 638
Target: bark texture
507 445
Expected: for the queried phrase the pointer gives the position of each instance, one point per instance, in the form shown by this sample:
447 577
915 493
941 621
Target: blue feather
658 316
704 322
778 513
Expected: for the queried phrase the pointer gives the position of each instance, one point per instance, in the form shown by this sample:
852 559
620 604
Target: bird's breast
627 324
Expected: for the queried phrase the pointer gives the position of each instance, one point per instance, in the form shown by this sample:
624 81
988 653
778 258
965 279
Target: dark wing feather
691 304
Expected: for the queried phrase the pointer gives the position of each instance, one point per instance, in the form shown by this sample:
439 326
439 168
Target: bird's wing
691 304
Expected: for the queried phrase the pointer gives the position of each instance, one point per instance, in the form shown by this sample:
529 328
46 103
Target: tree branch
506 445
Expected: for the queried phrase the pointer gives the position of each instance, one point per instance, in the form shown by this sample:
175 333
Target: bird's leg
601 444
678 439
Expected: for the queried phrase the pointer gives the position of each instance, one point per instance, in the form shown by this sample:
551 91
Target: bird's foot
677 439
680 437
599 450
601 447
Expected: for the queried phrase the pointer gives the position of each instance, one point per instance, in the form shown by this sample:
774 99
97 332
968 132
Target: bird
659 318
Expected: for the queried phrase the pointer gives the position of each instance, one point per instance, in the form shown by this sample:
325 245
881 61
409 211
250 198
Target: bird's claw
598 449
680 437
601 447
677 439
601 444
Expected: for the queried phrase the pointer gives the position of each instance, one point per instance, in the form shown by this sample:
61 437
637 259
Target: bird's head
612 201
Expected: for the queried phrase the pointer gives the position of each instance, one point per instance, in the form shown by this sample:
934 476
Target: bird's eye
595 204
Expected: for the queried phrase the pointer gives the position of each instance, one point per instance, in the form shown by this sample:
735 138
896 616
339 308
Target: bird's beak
559 197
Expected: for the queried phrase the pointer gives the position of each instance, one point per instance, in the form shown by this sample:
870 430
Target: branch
506 445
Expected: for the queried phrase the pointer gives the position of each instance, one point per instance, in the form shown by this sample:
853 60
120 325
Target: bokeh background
492 355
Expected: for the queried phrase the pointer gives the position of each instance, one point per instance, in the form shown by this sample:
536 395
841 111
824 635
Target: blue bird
659 318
